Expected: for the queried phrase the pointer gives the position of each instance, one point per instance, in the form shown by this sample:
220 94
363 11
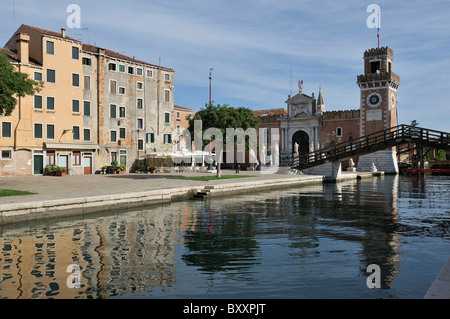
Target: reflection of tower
378 86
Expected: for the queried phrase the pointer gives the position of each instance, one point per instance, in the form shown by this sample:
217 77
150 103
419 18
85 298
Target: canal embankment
80 195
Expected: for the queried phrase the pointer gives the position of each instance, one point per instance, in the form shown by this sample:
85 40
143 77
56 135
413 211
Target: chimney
22 45
63 32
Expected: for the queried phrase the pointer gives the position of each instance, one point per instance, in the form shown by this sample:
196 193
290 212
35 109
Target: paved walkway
53 187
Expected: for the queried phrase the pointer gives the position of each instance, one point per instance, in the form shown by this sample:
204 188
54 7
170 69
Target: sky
259 49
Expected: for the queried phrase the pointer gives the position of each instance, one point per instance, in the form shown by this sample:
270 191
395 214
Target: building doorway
38 164
87 164
302 139
64 162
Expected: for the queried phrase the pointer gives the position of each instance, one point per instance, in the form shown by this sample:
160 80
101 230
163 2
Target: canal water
304 242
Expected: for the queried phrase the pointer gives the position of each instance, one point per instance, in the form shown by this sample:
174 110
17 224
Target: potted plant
104 167
61 171
121 169
114 167
50 170
152 169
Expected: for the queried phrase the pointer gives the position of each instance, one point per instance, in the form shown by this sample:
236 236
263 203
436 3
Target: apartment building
97 106
133 105
181 123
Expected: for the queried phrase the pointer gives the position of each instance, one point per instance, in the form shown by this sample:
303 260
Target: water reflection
290 243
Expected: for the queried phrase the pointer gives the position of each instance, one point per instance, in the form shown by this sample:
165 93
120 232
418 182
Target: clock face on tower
393 100
374 99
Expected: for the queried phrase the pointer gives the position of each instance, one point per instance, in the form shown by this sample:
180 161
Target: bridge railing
389 137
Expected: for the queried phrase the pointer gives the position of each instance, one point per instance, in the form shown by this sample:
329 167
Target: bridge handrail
401 131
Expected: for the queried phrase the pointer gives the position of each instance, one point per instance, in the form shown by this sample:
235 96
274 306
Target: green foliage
414 123
441 155
12 84
223 117
12 192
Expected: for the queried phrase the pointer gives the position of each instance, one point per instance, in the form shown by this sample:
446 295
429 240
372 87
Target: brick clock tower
378 105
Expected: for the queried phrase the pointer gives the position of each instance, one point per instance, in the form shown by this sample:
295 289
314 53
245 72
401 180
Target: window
50 103
140 123
75 53
167 95
75 106
38 102
130 70
76 133
6 154
113 157
167 117
51 76
140 144
178 116
122 112
50 131
375 66
150 73
112 67
139 85
37 130
122 68
139 71
150 138
178 130
339 132
75 80
140 104
113 86
122 133
122 90
6 129
76 158
87 82
113 136
87 108
86 134
167 76
112 111
38 76
87 61
50 47
167 139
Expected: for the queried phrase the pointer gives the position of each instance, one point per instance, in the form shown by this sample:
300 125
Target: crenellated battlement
341 115
378 51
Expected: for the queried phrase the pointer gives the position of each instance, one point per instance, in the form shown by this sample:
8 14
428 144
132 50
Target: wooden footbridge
404 137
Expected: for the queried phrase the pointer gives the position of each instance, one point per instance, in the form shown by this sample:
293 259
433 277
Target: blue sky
258 49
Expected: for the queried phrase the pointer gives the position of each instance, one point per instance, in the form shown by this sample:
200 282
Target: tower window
339 132
375 67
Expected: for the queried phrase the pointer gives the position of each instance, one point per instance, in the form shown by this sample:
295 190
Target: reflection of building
116 255
97 106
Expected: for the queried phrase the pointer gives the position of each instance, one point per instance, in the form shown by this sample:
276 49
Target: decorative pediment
300 105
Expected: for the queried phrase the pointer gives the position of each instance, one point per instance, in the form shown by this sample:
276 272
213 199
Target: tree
14 84
223 117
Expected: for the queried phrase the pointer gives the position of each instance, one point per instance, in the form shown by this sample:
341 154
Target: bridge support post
384 161
331 171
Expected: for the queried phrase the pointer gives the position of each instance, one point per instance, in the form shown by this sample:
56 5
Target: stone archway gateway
302 139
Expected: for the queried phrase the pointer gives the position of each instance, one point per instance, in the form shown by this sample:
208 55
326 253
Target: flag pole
378 29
